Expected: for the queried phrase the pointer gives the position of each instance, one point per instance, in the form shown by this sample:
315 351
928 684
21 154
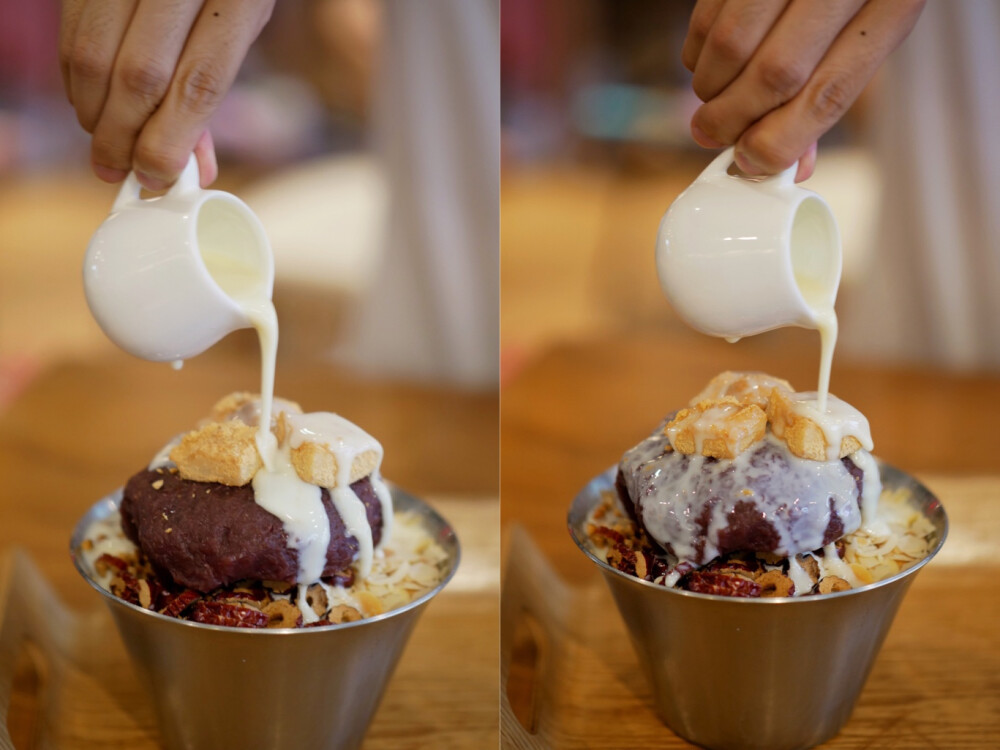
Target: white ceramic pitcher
164 277
738 256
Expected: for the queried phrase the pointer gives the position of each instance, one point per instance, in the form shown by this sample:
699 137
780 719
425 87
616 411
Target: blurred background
596 109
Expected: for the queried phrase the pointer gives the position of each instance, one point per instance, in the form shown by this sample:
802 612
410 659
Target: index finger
68 21
779 138
207 67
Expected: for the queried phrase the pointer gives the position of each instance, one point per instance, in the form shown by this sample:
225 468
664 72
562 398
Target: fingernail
746 165
702 139
108 174
151 183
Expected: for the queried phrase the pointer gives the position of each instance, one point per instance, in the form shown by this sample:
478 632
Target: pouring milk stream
168 277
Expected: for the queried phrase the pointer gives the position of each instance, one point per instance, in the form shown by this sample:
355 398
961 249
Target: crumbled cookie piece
722 428
222 452
745 387
803 436
315 463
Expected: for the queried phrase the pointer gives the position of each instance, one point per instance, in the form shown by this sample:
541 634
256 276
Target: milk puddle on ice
277 487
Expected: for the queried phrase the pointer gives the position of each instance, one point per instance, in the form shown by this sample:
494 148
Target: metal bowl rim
444 534
605 480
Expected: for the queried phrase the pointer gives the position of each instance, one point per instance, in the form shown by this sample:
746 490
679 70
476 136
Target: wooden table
571 678
83 427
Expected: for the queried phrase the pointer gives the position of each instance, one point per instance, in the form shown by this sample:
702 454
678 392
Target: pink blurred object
29 47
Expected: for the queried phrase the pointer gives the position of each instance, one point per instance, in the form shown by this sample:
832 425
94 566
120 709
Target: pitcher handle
131 190
719 167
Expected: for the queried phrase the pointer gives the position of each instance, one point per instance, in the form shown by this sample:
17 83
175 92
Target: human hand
775 75
145 77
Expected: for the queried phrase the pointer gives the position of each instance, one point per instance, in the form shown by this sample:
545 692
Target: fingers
99 30
783 135
778 70
142 73
69 18
738 29
212 55
145 76
702 18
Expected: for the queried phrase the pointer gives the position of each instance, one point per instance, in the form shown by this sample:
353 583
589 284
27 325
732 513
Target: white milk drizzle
347 442
827 323
668 492
831 563
818 298
800 578
277 487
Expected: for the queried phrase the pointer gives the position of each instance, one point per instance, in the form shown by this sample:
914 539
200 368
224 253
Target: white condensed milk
277 487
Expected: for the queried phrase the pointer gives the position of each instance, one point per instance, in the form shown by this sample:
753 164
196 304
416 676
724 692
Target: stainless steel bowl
774 674
218 687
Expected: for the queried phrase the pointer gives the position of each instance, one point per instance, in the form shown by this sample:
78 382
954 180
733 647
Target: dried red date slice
232 615
126 588
607 536
720 584
256 598
176 604
739 564
107 562
343 578
659 567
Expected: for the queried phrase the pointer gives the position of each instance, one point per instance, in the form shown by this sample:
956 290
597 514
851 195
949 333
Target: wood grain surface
571 677
81 428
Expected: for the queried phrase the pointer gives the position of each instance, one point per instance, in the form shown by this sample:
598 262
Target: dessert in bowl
747 572
289 609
